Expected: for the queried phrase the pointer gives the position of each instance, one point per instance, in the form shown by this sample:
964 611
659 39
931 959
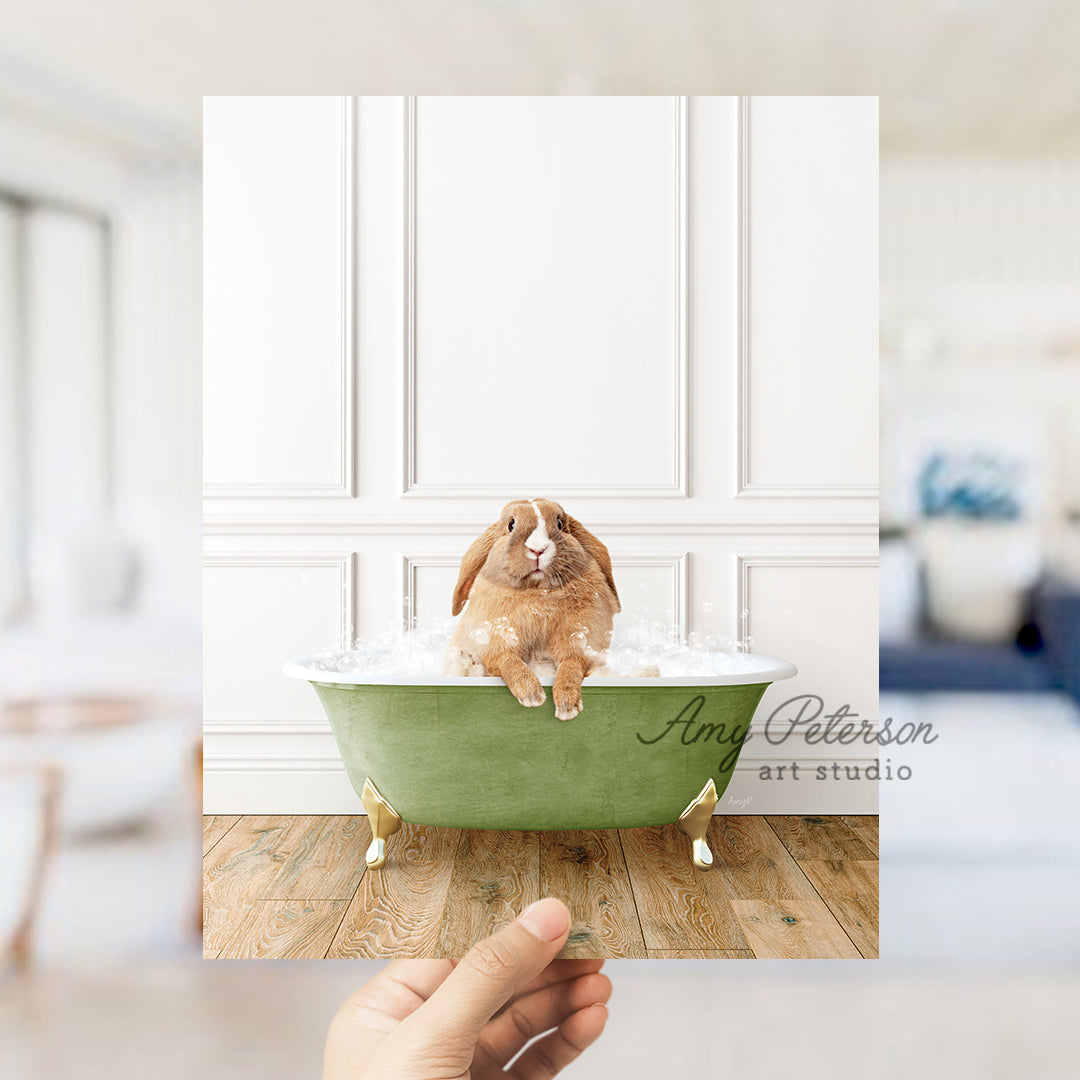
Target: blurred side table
121 761
117 754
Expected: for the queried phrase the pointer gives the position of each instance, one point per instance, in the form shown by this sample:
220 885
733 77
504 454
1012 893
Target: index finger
558 971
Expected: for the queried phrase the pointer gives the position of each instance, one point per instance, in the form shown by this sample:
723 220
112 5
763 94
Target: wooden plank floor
784 887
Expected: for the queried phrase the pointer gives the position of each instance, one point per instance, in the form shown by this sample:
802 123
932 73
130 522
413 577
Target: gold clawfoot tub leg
384 821
694 821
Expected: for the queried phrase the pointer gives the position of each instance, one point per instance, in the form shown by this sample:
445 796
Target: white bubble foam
638 646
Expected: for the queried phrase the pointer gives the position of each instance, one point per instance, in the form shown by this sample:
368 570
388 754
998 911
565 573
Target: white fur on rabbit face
536 548
535 543
538 545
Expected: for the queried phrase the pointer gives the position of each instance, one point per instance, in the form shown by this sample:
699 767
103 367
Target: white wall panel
652 586
823 610
809 377
547 255
427 586
277 278
261 609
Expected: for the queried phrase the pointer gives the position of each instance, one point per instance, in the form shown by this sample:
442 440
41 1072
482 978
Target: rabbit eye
558 522
510 527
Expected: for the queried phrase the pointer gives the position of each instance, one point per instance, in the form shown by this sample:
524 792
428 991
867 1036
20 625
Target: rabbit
541 593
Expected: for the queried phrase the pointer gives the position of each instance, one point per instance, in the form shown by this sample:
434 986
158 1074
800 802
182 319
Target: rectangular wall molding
679 363
676 563
745 563
346 564
745 486
409 567
344 484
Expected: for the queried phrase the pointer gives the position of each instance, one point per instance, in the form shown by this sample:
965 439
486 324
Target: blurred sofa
1044 657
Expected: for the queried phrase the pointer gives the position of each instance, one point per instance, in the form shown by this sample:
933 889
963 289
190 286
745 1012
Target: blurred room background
99 537
99 532
980 546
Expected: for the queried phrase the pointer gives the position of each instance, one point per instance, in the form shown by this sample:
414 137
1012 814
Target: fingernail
547 919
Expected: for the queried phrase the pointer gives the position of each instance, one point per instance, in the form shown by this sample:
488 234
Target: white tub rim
773 670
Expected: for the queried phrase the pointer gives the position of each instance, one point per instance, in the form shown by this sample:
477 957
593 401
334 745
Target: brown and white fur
540 593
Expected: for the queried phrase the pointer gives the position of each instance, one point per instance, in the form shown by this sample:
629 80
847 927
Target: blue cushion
952 665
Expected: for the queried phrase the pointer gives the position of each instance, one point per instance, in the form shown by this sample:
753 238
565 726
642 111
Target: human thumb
490 974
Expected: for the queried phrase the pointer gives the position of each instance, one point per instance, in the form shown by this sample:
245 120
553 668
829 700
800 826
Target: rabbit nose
537 553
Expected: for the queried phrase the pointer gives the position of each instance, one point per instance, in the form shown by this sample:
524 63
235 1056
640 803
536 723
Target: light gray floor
980 849
266 1021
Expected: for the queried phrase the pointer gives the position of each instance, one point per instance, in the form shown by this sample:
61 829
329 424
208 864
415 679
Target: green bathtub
461 752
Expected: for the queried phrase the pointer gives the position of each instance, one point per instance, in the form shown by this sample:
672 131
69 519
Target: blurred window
56 388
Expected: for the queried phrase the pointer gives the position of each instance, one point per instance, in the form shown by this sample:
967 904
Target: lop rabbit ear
595 549
472 564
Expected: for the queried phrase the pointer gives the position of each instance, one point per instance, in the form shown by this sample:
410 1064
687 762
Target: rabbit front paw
528 691
567 702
